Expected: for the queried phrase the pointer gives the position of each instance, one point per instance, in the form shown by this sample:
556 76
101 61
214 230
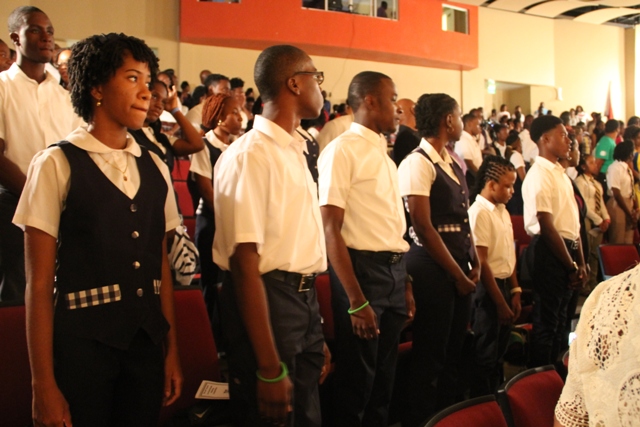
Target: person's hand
365 323
604 225
505 315
50 408
274 400
516 305
326 367
474 274
411 302
171 101
172 379
578 279
465 286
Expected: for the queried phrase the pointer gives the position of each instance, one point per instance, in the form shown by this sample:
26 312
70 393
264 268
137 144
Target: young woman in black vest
220 114
96 207
442 258
150 135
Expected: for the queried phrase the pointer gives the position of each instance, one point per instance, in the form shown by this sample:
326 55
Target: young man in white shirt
35 111
270 238
468 148
551 216
364 223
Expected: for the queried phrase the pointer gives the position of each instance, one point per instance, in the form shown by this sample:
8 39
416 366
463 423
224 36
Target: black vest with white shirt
110 254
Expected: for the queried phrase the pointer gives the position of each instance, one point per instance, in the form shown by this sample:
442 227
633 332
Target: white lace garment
603 385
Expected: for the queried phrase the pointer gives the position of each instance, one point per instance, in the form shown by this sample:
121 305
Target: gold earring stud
99 103
220 122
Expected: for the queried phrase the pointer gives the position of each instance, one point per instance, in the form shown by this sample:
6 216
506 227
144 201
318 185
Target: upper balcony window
455 19
378 8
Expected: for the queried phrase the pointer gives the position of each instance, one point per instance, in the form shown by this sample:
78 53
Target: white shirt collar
482 201
81 138
215 141
436 157
375 138
275 132
547 164
15 71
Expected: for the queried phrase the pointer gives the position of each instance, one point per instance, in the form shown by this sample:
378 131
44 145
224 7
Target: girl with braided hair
221 115
96 209
441 260
496 302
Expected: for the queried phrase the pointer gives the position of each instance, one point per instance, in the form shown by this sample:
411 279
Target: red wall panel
416 38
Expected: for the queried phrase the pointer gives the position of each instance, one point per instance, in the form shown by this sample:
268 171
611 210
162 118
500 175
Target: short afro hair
431 109
611 126
631 132
363 84
542 125
19 17
623 151
213 79
236 82
274 66
95 60
468 118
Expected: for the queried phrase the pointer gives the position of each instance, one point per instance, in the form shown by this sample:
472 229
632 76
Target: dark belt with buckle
385 257
303 282
571 244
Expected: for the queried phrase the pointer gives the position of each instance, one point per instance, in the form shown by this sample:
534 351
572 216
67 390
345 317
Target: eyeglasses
318 75
61 65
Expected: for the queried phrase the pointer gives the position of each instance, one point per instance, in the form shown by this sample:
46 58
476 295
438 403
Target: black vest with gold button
449 202
110 254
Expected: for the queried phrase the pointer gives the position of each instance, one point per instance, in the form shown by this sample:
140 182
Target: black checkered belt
383 257
303 282
572 245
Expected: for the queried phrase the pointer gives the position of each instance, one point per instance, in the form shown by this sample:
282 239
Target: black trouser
551 295
210 274
106 386
490 340
365 369
12 278
295 322
439 330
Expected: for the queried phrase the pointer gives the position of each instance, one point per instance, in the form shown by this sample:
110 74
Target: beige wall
529 50
155 21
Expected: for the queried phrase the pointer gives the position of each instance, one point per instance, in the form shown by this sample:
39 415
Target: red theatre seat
323 289
615 259
529 399
479 412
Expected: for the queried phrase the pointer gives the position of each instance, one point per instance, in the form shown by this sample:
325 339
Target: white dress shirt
416 173
357 175
32 116
620 176
469 149
587 186
546 188
48 180
516 160
201 161
194 115
491 228
332 129
264 194
529 147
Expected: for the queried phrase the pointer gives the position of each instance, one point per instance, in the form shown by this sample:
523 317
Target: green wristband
355 310
279 378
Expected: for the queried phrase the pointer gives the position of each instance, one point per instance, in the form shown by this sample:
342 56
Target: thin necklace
123 172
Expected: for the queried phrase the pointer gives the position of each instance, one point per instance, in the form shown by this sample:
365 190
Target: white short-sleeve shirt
32 116
546 188
491 228
48 180
416 173
201 161
516 160
620 176
264 194
357 175
469 149
529 147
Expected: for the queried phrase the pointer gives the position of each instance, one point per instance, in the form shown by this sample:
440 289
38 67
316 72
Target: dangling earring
99 103
220 123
